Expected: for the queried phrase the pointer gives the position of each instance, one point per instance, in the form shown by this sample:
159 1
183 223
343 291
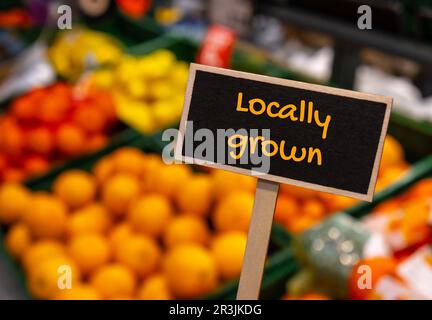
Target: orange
128 160
186 229
119 192
40 140
336 203
190 271
14 200
96 142
307 296
103 169
89 119
53 108
119 235
18 240
422 188
23 109
91 218
35 165
195 196
113 280
70 139
13 175
379 266
301 223
297 192
78 292
150 214
313 208
150 174
393 153
89 251
41 251
46 216
228 251
140 253
170 179
75 187
11 137
233 212
225 182
287 208
154 287
46 279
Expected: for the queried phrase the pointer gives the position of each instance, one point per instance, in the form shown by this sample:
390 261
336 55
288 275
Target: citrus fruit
195 196
75 187
46 216
225 182
128 160
140 253
392 153
228 251
186 228
50 276
89 251
377 267
40 140
90 119
170 179
233 212
103 169
78 292
287 208
150 214
119 192
313 208
17 240
119 235
190 271
154 287
14 200
70 139
41 251
88 219
113 280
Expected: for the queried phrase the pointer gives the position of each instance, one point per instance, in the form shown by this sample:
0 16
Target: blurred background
88 209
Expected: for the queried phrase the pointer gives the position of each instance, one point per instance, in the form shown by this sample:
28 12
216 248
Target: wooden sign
307 135
321 138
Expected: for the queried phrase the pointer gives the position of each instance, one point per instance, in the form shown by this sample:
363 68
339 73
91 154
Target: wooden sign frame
295 84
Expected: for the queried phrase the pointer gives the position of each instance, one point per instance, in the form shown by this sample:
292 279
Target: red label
217 47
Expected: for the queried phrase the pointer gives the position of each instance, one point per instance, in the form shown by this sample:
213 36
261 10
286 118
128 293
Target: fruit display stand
278 266
419 171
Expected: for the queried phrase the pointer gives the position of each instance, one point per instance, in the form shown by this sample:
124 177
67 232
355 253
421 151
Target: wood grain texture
258 240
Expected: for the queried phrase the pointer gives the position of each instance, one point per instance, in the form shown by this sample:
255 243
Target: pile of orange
48 124
298 209
133 228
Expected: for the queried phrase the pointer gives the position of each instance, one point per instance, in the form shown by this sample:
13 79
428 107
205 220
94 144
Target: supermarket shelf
413 50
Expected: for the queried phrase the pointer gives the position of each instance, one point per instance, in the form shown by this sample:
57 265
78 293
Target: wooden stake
258 240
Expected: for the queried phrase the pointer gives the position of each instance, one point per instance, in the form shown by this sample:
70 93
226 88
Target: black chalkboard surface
285 131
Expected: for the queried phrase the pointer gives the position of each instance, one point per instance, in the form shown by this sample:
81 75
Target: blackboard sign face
307 135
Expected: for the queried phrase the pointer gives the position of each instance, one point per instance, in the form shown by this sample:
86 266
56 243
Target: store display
83 185
129 229
47 125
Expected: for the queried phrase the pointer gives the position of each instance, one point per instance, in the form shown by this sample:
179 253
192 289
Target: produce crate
280 264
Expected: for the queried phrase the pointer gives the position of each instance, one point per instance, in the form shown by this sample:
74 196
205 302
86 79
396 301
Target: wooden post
258 240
